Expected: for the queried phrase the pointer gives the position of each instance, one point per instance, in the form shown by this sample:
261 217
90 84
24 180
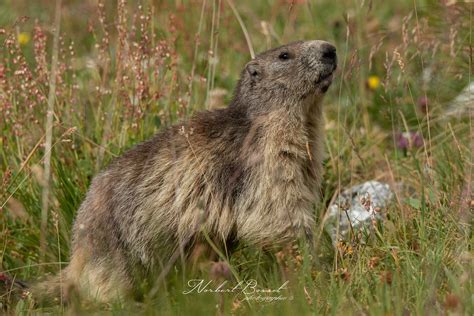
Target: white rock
463 103
348 209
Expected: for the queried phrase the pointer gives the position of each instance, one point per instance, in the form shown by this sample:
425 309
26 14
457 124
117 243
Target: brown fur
247 173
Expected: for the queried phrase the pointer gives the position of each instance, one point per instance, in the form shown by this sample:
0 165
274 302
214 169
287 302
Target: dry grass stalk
49 131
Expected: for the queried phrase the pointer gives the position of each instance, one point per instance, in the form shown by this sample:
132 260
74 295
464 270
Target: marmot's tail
47 292
53 290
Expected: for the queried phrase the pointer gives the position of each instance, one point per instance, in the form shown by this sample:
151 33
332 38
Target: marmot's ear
253 68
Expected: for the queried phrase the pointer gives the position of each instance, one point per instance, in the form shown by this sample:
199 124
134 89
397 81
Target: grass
124 71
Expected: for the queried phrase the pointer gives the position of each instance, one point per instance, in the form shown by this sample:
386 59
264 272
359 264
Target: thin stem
49 132
242 26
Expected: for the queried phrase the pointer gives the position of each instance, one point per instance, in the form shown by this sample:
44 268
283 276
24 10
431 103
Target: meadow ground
118 72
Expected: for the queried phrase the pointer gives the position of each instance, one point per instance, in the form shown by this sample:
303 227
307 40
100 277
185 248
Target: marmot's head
287 75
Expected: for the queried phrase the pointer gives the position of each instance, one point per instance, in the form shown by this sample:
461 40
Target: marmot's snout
322 58
328 54
321 52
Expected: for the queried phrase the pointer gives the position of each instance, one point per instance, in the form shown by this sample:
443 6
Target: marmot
250 172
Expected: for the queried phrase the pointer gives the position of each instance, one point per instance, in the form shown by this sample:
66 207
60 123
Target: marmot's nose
328 52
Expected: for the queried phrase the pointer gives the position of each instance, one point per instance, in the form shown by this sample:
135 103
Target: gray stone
359 207
463 103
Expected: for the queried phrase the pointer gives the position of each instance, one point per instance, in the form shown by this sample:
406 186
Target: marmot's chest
288 156
283 152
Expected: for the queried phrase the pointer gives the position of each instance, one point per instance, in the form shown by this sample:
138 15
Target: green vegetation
124 71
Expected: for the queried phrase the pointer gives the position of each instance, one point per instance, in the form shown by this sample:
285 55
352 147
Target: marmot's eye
284 56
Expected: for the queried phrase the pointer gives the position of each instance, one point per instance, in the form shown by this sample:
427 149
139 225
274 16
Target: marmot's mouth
325 80
326 75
